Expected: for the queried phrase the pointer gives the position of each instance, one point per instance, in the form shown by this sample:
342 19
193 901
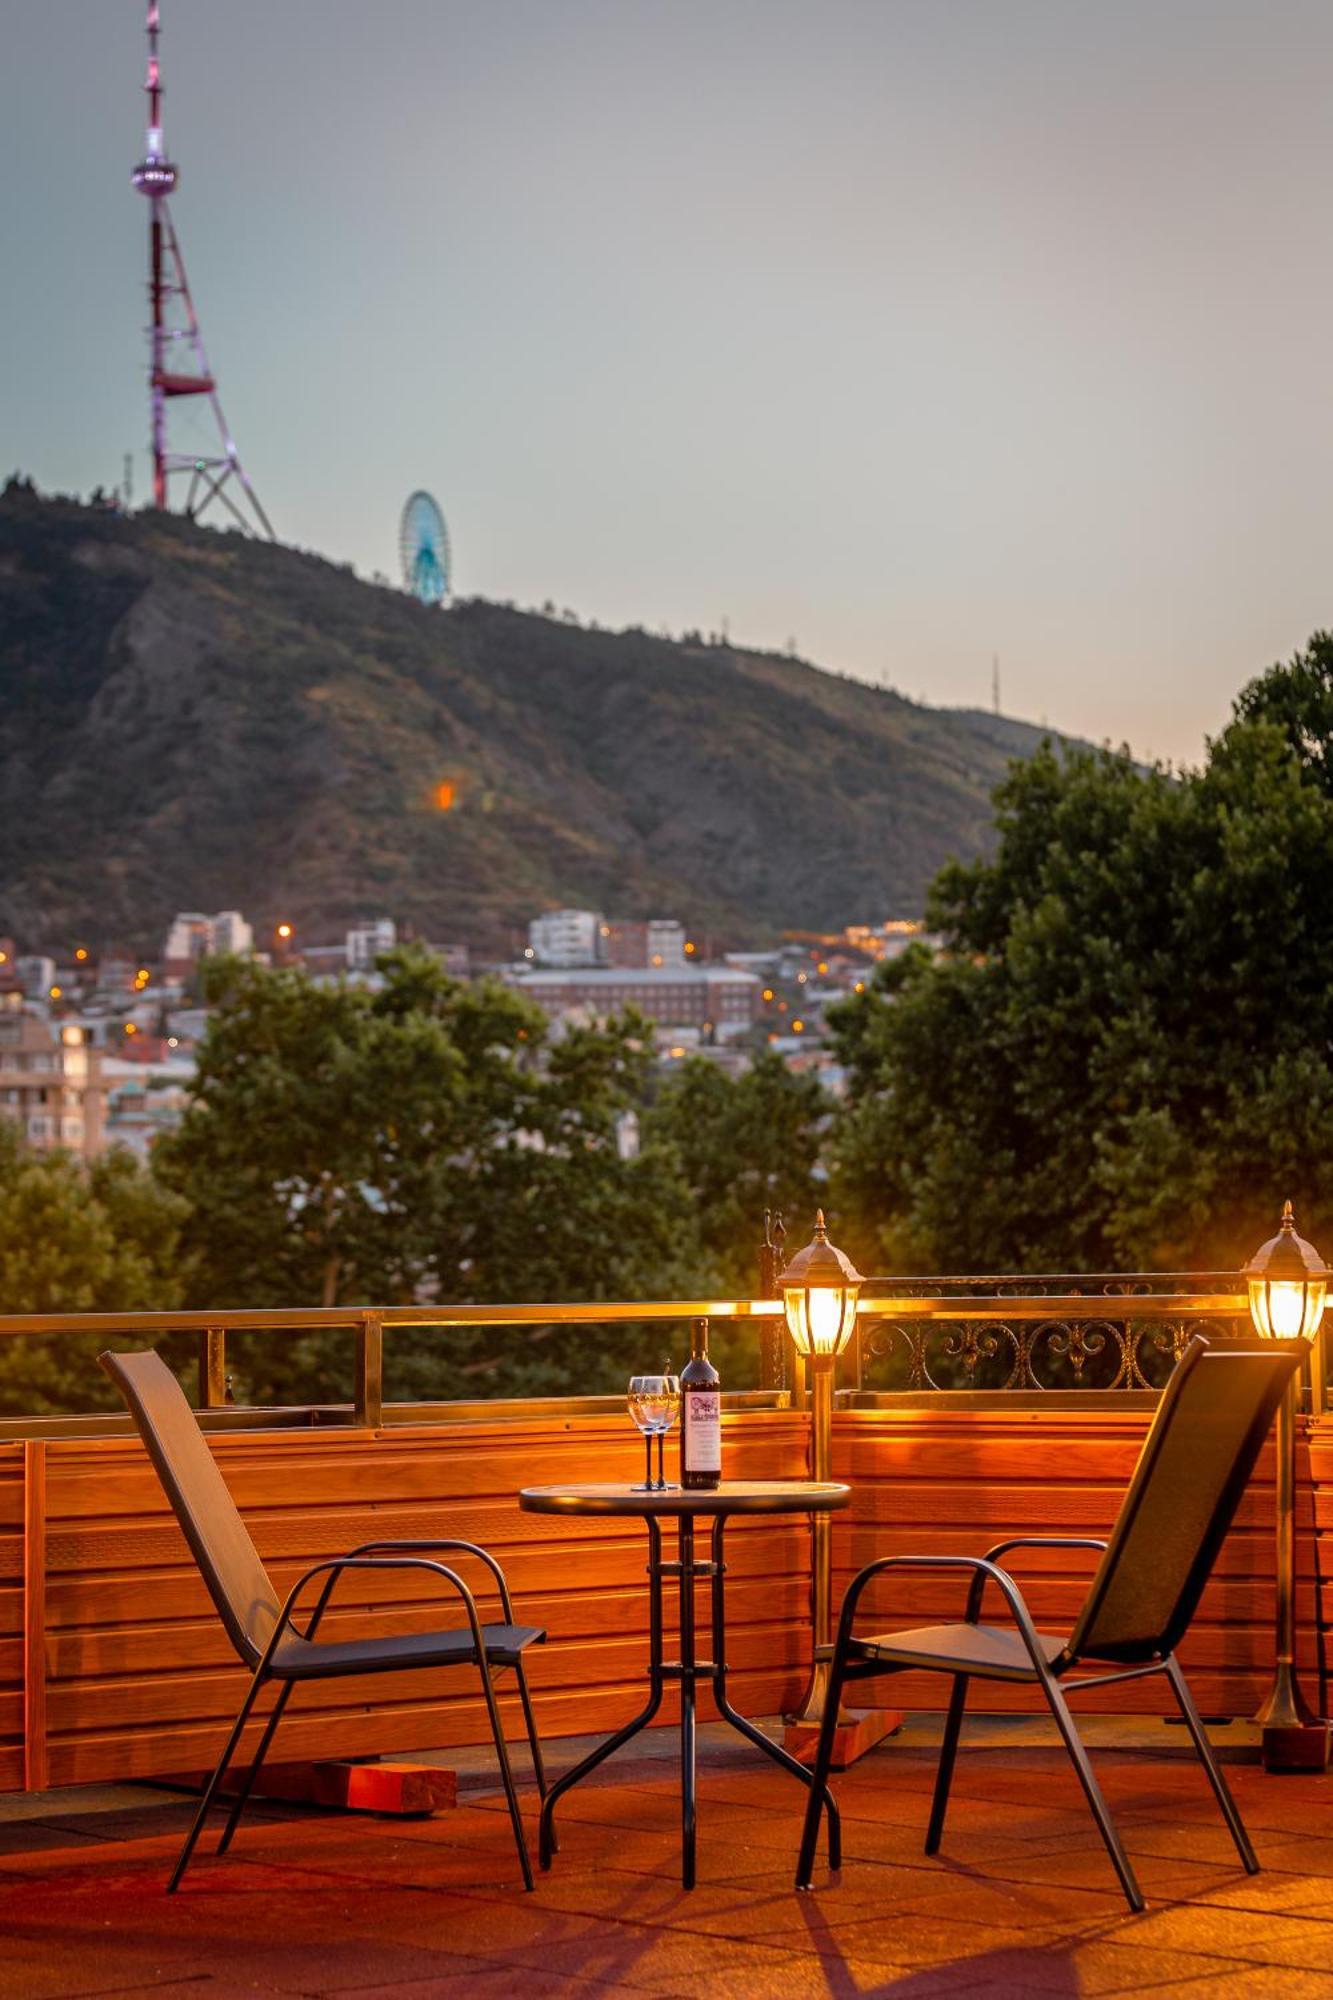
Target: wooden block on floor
405 1790
860 1731
1303 1747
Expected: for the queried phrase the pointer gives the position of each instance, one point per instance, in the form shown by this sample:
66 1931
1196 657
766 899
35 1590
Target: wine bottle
700 1416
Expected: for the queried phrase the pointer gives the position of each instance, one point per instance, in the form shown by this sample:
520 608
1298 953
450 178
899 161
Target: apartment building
51 1082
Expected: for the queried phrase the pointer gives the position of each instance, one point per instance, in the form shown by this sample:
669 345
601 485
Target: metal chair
1196 1461
265 1633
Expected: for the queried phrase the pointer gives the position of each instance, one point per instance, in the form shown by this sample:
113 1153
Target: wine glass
670 1410
654 1401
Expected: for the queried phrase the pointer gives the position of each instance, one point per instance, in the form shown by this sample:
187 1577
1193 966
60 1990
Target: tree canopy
76 1237
1120 1058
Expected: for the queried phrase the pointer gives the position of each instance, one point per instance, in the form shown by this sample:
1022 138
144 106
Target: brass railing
1103 1333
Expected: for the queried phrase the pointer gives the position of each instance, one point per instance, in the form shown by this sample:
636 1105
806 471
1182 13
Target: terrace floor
1022 1902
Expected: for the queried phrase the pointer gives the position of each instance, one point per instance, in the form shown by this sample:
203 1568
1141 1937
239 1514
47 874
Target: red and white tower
177 364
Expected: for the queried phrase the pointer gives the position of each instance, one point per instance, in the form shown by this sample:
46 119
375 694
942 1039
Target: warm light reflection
446 795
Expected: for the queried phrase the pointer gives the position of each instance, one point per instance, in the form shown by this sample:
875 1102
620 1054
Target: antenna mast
173 321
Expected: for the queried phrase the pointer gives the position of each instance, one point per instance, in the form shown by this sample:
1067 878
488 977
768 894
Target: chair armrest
982 1571
978 1589
1044 1542
463 1548
334 1568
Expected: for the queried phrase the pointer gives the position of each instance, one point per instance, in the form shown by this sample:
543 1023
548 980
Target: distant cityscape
101 1050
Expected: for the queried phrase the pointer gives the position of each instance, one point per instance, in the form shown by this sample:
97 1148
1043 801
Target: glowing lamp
819 1289
1288 1280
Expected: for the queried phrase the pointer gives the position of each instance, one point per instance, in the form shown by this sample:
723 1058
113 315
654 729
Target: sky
916 332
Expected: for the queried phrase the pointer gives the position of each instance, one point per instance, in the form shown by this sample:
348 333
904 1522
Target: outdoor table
750 1496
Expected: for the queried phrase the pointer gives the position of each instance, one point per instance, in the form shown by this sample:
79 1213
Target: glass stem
648 1461
661 1475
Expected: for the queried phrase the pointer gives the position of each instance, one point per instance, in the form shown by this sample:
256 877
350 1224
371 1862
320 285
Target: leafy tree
1121 1056
426 1142
745 1144
77 1238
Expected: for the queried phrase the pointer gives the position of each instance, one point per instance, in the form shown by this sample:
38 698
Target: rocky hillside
193 720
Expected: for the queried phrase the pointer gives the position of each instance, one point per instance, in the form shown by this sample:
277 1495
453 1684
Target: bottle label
703 1431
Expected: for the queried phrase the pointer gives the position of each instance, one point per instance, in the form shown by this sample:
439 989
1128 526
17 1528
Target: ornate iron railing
1109 1331
1065 1331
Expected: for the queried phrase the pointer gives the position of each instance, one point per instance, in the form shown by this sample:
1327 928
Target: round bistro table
749 1496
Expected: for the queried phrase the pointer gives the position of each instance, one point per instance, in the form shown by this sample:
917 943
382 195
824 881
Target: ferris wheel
423 545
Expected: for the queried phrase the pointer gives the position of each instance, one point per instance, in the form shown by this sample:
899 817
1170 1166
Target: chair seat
995 1652
300 1659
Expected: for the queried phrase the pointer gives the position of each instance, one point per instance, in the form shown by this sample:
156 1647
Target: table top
733 1496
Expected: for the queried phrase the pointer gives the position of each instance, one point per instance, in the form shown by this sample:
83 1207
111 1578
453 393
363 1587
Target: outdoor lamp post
1288 1281
819 1291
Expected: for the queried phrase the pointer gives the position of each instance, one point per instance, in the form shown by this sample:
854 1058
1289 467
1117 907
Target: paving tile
1022 1901
1257 1982
1257 1937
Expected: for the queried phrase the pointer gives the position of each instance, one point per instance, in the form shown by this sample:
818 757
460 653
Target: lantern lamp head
819 1289
1288 1280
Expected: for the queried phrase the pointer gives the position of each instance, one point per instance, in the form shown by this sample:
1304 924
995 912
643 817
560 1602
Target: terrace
120 1683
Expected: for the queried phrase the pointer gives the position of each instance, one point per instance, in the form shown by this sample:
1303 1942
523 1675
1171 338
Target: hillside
193 720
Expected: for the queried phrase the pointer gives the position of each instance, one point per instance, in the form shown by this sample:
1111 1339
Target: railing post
36 1770
213 1368
370 1371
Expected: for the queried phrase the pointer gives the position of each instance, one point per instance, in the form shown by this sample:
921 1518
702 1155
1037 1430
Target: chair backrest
1195 1464
219 1539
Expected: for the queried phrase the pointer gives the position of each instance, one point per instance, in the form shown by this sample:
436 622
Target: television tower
177 364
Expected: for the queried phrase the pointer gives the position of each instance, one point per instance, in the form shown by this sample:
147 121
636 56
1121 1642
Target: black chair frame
374 1556
1048 1662
278 1642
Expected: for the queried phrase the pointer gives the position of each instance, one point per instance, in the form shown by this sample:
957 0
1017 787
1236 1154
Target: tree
426 1142
77 1238
1121 1056
745 1144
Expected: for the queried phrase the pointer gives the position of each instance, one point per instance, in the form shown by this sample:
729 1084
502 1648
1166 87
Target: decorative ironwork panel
945 1349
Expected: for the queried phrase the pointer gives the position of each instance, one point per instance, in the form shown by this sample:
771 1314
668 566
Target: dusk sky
914 332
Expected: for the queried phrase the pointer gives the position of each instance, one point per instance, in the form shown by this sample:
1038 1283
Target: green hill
194 720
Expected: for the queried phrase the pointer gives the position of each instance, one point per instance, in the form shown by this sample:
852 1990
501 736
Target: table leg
687 1670
741 1722
546 1837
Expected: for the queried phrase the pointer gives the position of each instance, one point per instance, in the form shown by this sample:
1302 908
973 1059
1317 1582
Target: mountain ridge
196 720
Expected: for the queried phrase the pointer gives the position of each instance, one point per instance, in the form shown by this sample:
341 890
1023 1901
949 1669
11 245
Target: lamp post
1288 1281
819 1292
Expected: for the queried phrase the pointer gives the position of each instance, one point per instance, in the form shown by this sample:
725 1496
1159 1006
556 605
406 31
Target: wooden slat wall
139 1677
948 1481
123 1670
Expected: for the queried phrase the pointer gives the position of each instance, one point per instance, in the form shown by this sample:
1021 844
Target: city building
232 935
51 1082
193 936
36 975
188 940
144 1100
659 942
567 938
715 999
366 941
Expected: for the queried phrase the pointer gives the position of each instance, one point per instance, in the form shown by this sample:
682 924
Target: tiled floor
1021 1902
